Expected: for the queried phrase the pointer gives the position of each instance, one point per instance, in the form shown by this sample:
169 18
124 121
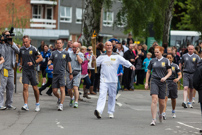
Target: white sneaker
190 105
111 116
193 101
153 123
173 115
60 107
25 107
164 116
37 108
2 108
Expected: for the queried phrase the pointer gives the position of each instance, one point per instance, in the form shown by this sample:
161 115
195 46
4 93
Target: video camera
6 38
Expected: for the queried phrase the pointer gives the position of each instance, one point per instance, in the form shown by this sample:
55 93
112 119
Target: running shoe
60 107
37 107
71 102
9 107
184 105
153 123
190 105
76 105
164 116
173 115
2 108
111 116
97 114
25 107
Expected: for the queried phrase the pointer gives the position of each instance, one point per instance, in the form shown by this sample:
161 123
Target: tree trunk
167 22
91 19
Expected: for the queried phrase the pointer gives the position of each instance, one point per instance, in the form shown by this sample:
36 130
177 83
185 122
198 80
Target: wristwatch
70 73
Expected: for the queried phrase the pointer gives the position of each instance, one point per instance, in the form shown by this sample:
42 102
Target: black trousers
47 85
140 76
96 82
126 81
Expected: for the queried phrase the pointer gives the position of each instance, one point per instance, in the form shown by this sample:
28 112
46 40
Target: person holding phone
76 60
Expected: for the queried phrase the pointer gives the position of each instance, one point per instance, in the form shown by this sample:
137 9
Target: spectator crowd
73 68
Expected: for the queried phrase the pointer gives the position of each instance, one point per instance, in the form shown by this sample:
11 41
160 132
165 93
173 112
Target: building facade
71 19
49 20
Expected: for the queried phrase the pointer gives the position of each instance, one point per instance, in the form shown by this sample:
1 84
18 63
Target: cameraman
9 50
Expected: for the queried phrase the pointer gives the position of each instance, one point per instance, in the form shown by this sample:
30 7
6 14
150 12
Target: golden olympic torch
93 42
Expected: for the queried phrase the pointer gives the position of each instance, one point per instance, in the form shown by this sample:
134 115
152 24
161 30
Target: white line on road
118 95
168 129
188 125
119 104
57 123
60 126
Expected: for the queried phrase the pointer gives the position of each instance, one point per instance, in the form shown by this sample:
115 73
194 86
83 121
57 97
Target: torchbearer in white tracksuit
109 63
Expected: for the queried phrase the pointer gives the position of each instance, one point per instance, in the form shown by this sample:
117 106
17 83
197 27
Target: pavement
132 117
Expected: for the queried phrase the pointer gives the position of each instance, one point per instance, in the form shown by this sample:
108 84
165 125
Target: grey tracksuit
7 83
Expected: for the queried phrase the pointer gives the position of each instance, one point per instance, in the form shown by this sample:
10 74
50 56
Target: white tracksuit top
109 66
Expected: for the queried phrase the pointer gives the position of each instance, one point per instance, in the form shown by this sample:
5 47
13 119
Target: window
37 11
123 22
49 12
108 18
79 15
66 14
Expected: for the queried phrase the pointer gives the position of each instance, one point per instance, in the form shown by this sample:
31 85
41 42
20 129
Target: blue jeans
87 82
118 86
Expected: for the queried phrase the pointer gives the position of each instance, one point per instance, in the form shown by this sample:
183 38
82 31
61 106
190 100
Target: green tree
140 13
191 19
92 17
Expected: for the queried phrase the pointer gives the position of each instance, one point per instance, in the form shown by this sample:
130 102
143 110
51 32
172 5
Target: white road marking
60 126
168 129
57 123
118 95
119 104
188 126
